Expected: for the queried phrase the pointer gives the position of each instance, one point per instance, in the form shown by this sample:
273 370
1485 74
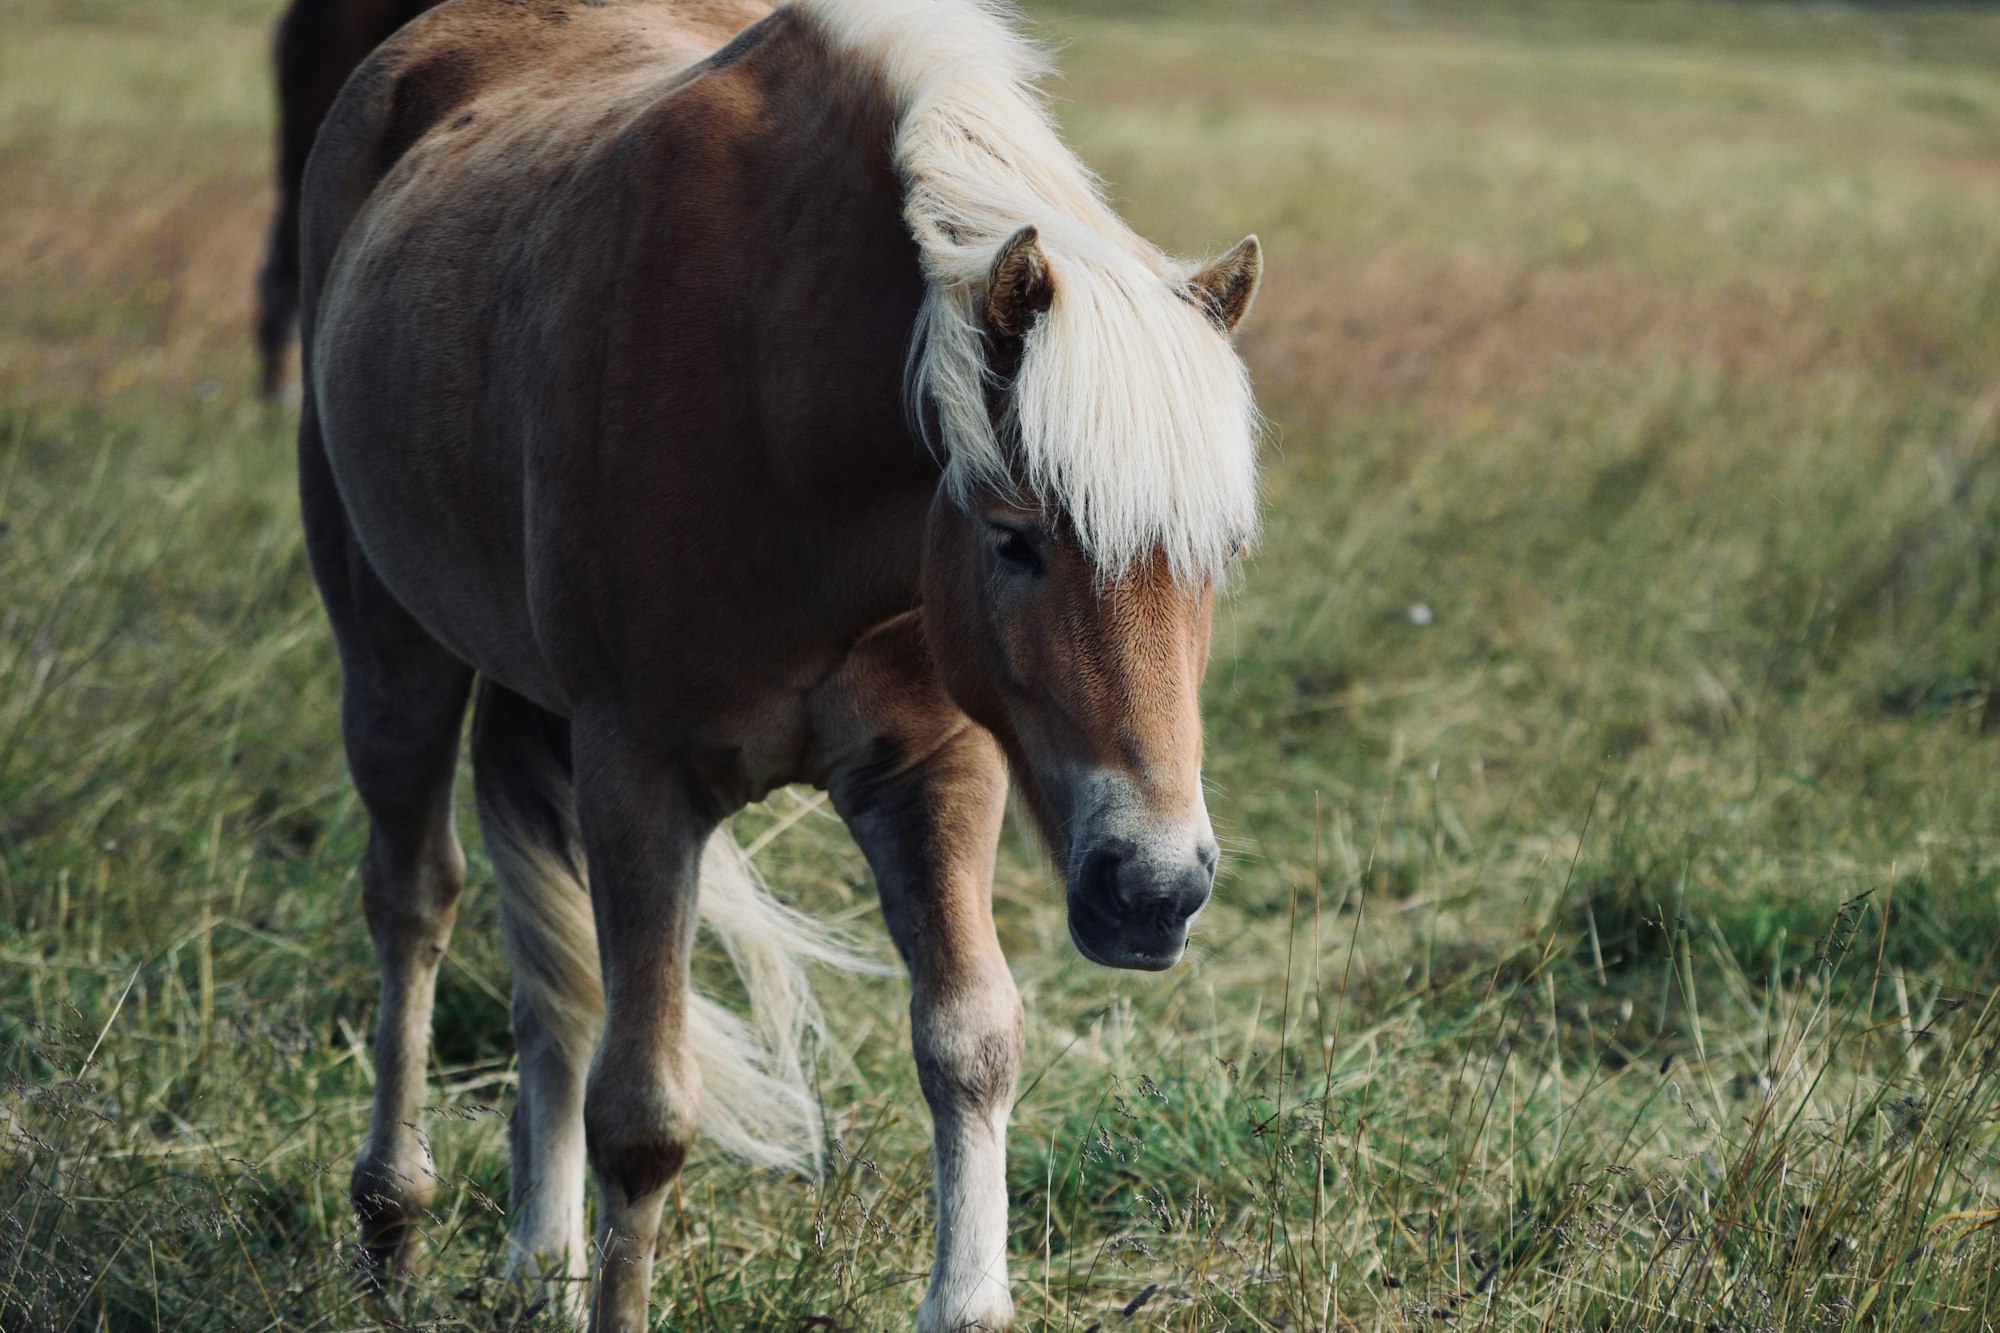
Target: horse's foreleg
930 831
644 840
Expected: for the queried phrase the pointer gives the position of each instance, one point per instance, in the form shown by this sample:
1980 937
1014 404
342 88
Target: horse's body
606 309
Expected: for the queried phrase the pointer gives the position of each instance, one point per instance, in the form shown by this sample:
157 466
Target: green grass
1607 944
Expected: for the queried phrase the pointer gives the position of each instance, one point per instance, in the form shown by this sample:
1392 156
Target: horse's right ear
1019 289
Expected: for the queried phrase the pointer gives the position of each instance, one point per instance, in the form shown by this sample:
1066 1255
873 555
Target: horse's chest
881 693
762 746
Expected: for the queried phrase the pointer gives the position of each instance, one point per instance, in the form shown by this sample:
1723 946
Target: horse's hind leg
521 771
402 708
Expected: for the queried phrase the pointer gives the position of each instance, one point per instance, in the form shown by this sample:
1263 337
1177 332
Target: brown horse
747 398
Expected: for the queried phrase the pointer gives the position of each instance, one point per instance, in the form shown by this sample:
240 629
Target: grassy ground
1606 733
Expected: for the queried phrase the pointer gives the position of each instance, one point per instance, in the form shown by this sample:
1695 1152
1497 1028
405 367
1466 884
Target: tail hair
758 1100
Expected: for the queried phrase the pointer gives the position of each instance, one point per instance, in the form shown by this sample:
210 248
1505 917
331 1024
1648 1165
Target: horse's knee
638 1126
969 1048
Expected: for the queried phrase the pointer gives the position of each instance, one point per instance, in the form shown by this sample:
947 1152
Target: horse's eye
1012 548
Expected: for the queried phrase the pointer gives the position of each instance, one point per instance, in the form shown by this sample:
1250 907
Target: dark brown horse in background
319 43
730 399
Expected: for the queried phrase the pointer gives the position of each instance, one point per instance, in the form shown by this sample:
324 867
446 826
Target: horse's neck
835 301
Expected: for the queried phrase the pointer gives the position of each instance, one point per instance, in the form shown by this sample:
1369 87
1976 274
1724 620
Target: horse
718 398
318 44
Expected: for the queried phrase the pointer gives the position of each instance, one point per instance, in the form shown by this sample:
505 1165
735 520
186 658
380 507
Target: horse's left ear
1226 288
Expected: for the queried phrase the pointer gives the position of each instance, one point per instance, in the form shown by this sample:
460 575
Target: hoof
546 1283
390 1206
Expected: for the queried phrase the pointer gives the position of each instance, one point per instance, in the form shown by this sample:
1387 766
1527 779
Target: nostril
1099 879
1193 896
1208 854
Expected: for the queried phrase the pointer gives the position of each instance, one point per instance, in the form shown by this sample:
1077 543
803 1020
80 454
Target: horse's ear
1019 288
1227 287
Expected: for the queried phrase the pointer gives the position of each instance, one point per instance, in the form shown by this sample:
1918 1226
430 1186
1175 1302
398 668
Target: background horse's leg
402 708
644 836
319 43
521 770
929 832
312 63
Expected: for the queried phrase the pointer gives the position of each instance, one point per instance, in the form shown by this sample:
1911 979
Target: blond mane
1133 412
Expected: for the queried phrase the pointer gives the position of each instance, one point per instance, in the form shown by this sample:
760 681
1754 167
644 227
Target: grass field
1606 733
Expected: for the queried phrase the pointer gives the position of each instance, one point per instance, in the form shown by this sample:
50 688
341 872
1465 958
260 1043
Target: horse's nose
1131 908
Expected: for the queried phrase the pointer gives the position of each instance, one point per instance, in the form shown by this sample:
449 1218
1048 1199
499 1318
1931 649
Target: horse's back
557 60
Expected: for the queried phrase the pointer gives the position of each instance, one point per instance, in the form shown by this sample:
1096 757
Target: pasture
1604 738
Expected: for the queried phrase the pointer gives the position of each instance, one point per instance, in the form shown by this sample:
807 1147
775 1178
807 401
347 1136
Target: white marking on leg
546 1254
969 1288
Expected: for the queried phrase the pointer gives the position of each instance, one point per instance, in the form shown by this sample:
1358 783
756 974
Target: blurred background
1604 736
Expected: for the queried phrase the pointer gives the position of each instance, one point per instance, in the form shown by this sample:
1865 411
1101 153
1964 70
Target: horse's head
1089 675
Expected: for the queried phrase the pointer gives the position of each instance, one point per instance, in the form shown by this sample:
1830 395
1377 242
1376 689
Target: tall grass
1604 734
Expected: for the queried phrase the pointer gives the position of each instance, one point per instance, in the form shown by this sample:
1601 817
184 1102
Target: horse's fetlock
389 1204
386 1194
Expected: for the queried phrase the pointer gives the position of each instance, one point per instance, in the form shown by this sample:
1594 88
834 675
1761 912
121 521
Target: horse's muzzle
1129 907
